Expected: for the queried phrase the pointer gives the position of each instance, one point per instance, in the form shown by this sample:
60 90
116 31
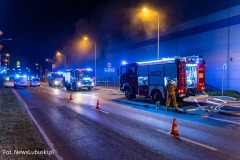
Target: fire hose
220 104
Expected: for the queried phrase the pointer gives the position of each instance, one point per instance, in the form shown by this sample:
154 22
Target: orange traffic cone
70 97
98 105
174 130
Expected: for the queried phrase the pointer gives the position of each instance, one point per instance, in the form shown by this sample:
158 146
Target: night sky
39 28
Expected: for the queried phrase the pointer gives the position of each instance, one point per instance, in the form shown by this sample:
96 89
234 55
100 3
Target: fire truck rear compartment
191 76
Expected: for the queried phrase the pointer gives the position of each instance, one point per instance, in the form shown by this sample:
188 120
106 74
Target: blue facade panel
215 37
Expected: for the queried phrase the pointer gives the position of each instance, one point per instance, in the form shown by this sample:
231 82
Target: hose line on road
222 104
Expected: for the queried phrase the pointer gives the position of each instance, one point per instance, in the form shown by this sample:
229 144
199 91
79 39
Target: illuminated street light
6 54
50 60
40 69
95 54
5 39
145 10
61 54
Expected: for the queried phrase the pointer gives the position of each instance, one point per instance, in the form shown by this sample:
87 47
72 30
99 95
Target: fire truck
76 79
150 78
55 79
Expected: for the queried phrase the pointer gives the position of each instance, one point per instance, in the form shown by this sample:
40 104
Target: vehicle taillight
180 91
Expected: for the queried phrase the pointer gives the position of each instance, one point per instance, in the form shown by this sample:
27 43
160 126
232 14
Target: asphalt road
126 131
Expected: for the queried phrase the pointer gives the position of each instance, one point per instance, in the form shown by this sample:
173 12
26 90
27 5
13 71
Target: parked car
20 81
35 82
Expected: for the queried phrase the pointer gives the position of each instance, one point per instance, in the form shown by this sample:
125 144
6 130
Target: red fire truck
76 79
150 78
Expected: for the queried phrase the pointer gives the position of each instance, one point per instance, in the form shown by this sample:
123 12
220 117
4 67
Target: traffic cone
98 105
174 130
70 97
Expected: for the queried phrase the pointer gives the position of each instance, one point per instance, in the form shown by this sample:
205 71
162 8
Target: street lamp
145 10
6 39
6 54
40 69
50 60
61 54
95 56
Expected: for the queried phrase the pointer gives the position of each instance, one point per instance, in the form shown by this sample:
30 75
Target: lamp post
40 69
95 59
5 39
6 54
158 28
61 54
50 60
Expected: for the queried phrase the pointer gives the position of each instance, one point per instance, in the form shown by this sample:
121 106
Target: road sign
112 69
109 65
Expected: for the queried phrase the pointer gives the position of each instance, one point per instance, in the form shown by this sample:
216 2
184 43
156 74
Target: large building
215 37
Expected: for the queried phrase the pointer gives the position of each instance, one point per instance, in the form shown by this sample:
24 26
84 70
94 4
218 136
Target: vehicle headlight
56 82
92 83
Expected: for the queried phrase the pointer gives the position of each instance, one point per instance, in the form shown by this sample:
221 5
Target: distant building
18 65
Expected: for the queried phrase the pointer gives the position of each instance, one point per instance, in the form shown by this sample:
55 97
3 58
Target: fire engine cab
79 78
150 78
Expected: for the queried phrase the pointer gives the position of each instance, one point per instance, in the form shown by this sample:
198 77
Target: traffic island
19 138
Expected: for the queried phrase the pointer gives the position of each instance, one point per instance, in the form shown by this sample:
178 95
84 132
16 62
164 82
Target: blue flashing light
89 69
59 72
17 76
124 62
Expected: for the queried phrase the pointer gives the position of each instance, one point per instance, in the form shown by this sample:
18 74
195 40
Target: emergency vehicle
150 78
79 79
55 79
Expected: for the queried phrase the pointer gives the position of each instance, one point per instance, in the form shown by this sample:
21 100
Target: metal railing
210 88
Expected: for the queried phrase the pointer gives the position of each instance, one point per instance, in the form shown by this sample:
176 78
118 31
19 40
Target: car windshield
20 79
35 80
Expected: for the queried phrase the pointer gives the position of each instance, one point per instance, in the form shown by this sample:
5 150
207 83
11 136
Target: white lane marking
223 120
100 110
74 101
43 91
191 141
60 96
46 138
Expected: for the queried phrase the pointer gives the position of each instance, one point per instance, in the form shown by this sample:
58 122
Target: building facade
215 37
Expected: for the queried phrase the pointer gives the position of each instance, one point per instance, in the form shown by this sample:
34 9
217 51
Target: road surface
124 130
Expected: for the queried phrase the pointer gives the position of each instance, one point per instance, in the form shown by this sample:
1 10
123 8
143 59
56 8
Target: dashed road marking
223 120
60 96
100 110
191 141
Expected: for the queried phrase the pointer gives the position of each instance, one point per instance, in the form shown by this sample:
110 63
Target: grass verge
230 93
19 138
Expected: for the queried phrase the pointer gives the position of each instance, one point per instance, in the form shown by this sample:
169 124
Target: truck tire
128 93
90 88
157 96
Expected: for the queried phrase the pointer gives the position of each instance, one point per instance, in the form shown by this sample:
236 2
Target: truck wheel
89 88
128 93
157 96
